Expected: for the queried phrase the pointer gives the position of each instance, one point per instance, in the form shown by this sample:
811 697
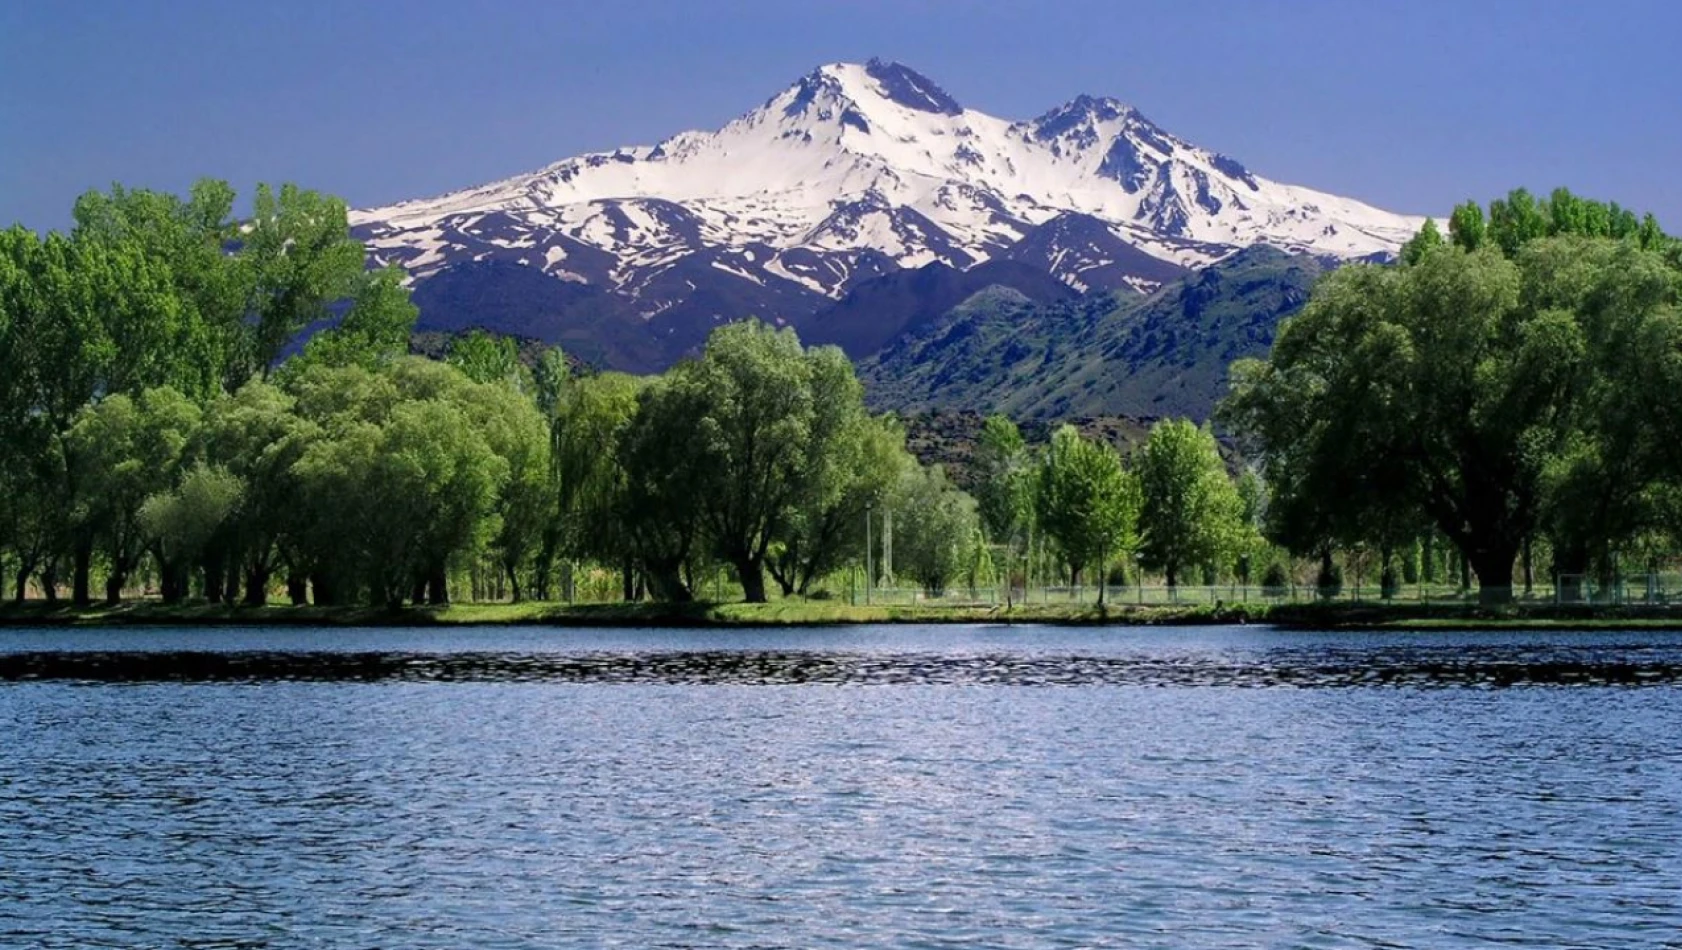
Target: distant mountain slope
1110 354
877 311
854 173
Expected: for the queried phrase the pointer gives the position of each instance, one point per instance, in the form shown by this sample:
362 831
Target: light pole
1139 575
869 568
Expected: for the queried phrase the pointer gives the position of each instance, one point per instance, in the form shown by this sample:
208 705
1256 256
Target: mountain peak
852 172
899 83
852 93
1081 116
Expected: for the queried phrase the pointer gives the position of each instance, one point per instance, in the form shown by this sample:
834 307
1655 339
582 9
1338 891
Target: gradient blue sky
1411 106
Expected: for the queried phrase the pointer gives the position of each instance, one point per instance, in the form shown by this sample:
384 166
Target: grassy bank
1518 616
797 613
777 614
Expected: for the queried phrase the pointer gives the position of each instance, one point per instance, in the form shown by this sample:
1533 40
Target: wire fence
1644 591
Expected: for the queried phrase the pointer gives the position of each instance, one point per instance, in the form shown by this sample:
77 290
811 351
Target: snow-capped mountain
853 173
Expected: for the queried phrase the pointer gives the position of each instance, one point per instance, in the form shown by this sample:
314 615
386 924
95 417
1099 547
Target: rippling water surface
906 787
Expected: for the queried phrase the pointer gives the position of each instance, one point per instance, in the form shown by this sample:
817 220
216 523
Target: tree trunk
322 587
81 585
215 585
629 574
172 581
257 587
1571 565
23 581
114 588
519 594
665 582
297 591
437 587
1494 567
1171 574
540 575
752 575
49 581
1529 570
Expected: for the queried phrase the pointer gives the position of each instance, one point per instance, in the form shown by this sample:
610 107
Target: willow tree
1495 386
753 427
1421 386
588 424
124 451
936 530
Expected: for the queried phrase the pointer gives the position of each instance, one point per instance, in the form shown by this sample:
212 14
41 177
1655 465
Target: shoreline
1299 617
700 614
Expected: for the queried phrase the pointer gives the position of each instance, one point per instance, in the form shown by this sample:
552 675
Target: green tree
124 451
1426 388
524 505
749 432
1428 239
591 416
1602 488
299 259
1191 514
399 484
257 435
1466 226
665 456
186 242
1004 477
485 357
1086 502
867 467
182 522
935 529
374 331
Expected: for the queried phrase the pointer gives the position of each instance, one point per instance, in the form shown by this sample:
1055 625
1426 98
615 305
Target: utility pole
869 568
888 546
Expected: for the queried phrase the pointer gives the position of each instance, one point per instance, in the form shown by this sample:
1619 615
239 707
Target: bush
1275 580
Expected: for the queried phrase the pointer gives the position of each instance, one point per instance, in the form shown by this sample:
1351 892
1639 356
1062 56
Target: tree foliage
1086 503
1192 515
1496 388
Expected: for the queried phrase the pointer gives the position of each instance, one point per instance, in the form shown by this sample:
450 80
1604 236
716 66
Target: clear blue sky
1409 105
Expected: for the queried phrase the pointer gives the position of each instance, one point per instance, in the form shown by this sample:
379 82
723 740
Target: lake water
893 787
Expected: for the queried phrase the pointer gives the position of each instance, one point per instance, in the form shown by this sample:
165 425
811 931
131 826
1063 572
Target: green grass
776 614
1472 616
795 613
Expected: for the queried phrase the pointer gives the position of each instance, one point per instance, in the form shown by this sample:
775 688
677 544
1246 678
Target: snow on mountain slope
857 170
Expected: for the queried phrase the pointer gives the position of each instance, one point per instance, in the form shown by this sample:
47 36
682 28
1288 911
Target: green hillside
1101 355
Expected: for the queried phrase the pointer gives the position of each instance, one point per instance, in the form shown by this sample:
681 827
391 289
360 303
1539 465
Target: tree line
159 420
1502 394
1509 391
